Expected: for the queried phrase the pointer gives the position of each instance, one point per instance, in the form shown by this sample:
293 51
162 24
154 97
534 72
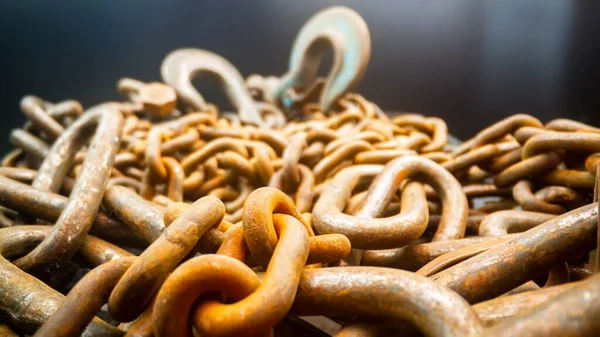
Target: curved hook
181 65
347 33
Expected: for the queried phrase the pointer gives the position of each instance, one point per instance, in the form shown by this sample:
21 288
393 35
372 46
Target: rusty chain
160 215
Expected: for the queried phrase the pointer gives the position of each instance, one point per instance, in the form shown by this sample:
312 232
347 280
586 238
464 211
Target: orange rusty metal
78 215
303 213
146 274
433 309
509 264
258 306
260 234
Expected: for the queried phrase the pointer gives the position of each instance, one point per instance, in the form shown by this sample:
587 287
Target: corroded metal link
291 158
508 265
143 217
191 161
478 155
371 109
364 232
235 216
323 248
496 206
19 174
271 301
275 140
35 113
234 245
146 219
571 313
211 240
562 124
368 136
429 126
439 157
85 300
252 145
502 222
549 141
184 122
64 112
123 159
451 258
30 144
347 151
49 206
12 158
262 162
258 221
175 299
225 193
523 194
146 274
494 311
496 131
525 133
181 143
580 272
571 178
415 141
175 181
258 306
84 201
559 194
414 120
502 162
439 138
323 135
238 202
380 157
414 256
434 310
219 180
454 202
592 162
527 168
134 184
27 302
129 87
483 190
363 328
210 133
153 151
312 154
303 196
475 175
193 181
175 184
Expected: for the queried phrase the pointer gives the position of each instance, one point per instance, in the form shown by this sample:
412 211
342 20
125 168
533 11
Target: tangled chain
166 217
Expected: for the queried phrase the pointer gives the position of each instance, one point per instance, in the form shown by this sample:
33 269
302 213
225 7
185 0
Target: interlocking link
164 216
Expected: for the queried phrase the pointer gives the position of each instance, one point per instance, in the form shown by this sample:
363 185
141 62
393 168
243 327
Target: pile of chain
166 217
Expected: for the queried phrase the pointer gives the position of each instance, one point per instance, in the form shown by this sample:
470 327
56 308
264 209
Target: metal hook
180 66
347 33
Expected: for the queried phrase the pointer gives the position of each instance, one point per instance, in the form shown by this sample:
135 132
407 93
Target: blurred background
469 62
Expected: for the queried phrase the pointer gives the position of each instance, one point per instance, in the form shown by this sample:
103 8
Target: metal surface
173 222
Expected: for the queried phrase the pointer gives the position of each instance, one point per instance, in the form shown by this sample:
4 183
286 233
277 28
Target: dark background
469 62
